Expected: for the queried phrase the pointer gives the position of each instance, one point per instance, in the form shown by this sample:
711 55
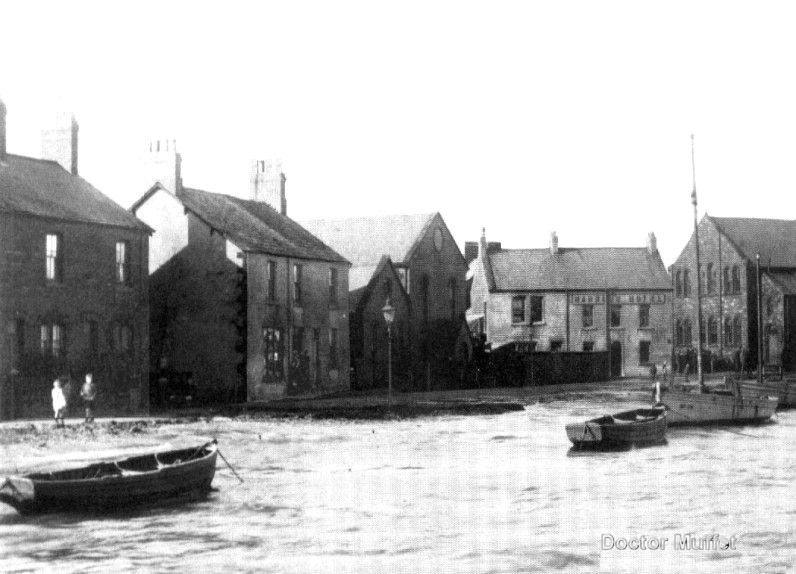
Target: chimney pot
267 184
652 243
553 243
60 143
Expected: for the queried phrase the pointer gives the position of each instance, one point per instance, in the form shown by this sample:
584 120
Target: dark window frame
644 315
615 311
644 348
587 316
536 309
122 268
518 305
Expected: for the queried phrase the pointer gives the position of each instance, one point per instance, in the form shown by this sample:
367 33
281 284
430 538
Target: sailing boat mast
700 375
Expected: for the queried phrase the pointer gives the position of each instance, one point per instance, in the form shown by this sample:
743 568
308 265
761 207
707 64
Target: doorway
616 359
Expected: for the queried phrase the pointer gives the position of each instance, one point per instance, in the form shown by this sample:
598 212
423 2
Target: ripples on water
452 494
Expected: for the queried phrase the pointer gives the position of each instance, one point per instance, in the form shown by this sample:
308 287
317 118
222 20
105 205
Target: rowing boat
107 486
687 406
635 427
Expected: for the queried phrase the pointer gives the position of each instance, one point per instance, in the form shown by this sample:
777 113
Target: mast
700 375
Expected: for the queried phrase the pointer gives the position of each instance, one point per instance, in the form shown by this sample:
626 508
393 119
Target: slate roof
43 188
255 226
363 240
578 268
774 239
785 279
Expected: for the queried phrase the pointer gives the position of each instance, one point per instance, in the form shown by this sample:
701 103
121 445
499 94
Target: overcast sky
521 117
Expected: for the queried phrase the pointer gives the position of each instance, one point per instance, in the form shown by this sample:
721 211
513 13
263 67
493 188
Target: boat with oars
635 427
114 485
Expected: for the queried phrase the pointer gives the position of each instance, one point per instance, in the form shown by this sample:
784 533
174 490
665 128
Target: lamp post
759 287
389 316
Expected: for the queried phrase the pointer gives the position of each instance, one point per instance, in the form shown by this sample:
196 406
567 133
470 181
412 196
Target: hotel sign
617 298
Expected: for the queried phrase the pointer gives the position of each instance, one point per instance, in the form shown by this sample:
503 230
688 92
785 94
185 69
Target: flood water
496 493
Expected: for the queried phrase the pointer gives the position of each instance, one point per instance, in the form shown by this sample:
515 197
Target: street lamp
389 316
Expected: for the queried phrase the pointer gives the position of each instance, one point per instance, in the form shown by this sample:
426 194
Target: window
678 283
332 287
122 262
588 316
537 310
616 315
644 315
272 280
728 338
725 287
678 332
453 293
54 262
588 346
736 330
403 274
686 283
711 279
122 338
736 279
272 349
713 331
52 339
643 352
333 348
297 273
298 339
555 346
687 332
518 309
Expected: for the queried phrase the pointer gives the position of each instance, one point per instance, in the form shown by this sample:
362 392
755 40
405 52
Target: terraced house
729 247
73 283
246 303
611 299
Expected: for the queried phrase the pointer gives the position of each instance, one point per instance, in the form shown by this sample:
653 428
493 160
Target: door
616 359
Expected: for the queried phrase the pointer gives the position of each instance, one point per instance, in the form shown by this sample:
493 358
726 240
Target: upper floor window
537 308
518 309
725 284
713 331
52 339
54 257
298 271
729 341
678 283
616 315
332 287
644 315
122 262
271 280
736 279
588 315
686 283
711 279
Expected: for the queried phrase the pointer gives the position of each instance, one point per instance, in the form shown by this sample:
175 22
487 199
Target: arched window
686 331
726 283
678 283
678 332
728 338
713 331
736 279
711 279
686 283
736 330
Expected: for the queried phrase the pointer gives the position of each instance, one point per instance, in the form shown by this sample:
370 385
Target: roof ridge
39 159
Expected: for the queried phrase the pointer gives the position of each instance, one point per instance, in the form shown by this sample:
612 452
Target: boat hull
784 390
32 494
696 408
620 430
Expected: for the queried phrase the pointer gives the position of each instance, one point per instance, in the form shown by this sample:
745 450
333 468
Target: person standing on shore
59 403
89 395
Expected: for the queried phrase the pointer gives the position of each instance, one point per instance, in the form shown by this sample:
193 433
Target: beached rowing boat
690 406
636 427
106 486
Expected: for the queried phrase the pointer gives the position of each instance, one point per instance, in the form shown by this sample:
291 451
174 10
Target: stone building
432 343
728 280
73 283
245 302
574 299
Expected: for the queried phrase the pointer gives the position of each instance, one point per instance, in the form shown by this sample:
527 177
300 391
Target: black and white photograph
403 287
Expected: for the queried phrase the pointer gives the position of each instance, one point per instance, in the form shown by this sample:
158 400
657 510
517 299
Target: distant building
245 302
728 280
575 299
431 341
73 283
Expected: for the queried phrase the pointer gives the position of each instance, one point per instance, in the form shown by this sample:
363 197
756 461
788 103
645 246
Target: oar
717 427
229 465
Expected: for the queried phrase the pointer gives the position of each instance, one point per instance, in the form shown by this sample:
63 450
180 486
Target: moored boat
634 427
784 390
107 486
687 406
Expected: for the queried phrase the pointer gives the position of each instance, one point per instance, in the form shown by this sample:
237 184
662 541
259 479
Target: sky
519 117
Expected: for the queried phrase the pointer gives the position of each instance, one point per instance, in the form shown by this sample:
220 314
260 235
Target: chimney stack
2 131
553 243
267 181
59 143
652 244
164 164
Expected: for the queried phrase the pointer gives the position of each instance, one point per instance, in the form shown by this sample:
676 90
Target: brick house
245 302
555 300
728 248
73 283
432 342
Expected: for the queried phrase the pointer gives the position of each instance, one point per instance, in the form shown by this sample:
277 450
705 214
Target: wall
88 292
